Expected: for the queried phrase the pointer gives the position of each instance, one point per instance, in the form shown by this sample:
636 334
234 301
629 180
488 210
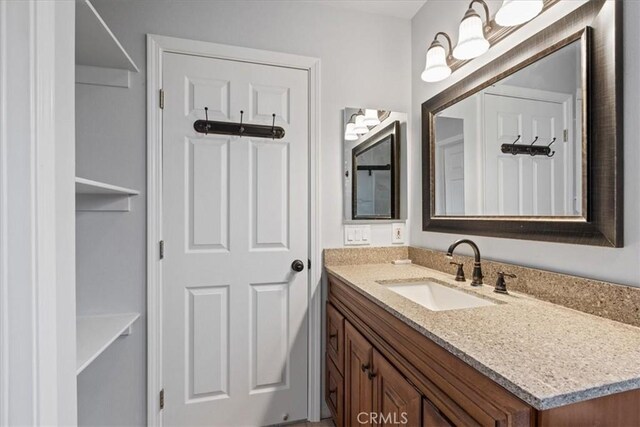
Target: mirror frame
393 131
599 24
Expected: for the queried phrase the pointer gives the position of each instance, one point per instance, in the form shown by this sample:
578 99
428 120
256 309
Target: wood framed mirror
530 145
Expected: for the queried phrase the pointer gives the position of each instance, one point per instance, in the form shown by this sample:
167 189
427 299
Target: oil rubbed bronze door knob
297 265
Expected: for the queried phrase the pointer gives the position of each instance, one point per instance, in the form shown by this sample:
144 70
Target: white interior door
525 184
235 216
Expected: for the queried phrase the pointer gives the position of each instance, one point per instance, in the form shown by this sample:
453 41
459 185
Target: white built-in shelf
99 196
96 333
96 45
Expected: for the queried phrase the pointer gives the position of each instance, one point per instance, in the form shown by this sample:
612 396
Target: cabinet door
431 416
335 337
396 401
334 393
358 385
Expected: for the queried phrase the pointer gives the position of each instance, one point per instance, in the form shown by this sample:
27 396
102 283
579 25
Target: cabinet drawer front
335 337
334 392
431 416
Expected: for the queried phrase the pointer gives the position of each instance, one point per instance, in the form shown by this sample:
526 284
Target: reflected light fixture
517 12
436 67
349 133
471 40
360 127
371 117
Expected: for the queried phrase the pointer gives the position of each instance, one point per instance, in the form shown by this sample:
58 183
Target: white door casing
528 185
235 217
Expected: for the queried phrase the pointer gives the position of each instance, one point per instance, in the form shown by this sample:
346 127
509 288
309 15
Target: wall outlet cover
398 230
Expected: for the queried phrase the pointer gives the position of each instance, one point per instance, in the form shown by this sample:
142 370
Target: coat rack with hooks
238 129
530 149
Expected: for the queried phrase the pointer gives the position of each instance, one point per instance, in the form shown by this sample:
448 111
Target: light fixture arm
446 36
487 25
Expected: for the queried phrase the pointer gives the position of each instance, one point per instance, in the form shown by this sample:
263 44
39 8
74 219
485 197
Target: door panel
395 400
235 216
527 185
358 386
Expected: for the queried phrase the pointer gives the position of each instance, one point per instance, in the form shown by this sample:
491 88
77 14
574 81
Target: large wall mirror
374 165
529 146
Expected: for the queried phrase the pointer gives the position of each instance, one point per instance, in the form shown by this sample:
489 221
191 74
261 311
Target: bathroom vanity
510 361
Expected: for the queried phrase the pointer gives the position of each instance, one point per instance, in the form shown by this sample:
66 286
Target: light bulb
436 67
471 40
349 133
517 12
360 128
371 117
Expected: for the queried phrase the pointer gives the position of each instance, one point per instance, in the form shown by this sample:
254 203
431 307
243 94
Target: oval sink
437 297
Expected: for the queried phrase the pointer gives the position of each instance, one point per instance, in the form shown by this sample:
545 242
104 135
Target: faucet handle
501 284
460 272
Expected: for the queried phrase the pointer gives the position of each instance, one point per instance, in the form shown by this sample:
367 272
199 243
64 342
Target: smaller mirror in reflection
515 148
374 165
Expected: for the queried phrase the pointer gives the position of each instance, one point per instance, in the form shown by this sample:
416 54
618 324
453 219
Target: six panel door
235 216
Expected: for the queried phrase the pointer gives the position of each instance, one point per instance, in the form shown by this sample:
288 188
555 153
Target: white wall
617 265
365 60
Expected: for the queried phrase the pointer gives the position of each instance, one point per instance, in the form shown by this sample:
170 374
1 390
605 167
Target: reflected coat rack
530 149
238 129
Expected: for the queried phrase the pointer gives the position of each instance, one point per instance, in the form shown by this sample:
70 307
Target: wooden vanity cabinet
390 368
396 376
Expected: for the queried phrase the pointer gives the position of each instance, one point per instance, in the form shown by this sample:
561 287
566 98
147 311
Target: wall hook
241 127
206 118
513 151
552 141
273 126
533 153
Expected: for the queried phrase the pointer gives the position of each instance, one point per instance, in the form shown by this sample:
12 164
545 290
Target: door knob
297 265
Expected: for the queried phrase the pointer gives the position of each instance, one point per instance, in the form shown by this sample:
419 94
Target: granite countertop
545 354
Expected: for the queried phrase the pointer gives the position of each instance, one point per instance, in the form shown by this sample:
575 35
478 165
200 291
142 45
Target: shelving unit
99 196
94 334
101 60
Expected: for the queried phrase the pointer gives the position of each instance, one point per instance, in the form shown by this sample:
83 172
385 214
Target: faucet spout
477 265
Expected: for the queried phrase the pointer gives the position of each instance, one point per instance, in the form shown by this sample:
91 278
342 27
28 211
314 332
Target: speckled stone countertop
545 354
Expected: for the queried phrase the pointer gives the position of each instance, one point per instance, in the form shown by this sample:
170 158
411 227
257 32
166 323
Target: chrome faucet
477 266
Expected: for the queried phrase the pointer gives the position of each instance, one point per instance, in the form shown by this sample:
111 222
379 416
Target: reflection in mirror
516 147
374 180
374 177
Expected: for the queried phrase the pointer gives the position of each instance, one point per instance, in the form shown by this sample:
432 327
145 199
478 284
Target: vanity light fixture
436 67
471 33
517 12
371 117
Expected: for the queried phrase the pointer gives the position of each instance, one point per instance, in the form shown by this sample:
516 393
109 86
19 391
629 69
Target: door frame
157 46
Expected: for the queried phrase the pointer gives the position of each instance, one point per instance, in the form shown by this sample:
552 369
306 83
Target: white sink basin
437 297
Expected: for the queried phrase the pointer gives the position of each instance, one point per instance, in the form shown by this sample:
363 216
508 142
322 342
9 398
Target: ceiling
405 9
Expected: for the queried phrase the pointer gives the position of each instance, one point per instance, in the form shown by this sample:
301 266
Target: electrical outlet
398 232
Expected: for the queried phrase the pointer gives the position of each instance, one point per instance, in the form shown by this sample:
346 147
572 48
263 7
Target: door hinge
161 245
161 98
162 399
565 135
309 264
